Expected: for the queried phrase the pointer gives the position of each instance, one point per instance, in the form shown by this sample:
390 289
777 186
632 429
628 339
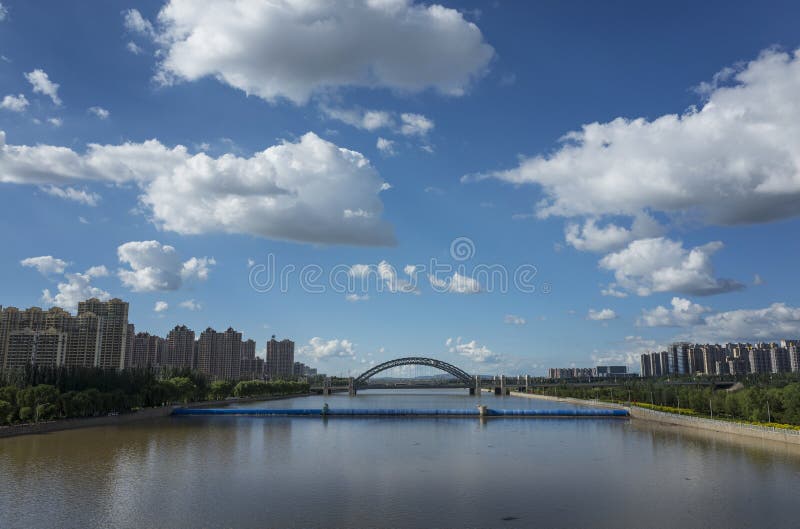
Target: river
254 472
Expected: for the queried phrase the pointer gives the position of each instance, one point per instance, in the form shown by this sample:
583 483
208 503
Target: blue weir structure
481 411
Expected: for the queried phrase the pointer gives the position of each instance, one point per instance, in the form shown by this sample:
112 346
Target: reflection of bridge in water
500 385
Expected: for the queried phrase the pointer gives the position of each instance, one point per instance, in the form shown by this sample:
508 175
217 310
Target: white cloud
197 268
157 267
472 351
735 160
294 49
359 118
83 220
45 264
601 315
758 280
457 284
386 146
15 103
293 191
100 112
415 124
613 292
662 265
771 323
134 48
97 271
77 287
161 306
76 195
356 297
3 12
512 319
136 23
319 349
386 278
42 84
191 304
594 238
683 313
56 122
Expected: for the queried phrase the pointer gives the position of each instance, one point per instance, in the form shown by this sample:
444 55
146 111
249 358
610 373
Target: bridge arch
459 373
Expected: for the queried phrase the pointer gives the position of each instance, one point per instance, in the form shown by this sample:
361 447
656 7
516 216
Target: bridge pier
351 387
501 389
326 386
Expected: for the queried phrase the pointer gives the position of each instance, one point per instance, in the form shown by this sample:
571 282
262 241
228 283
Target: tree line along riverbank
37 395
769 401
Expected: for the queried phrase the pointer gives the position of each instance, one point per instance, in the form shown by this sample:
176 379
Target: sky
507 186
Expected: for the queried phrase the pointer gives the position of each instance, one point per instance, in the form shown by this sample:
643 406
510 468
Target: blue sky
345 135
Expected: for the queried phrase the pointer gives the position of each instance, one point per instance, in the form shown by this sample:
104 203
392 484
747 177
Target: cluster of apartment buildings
683 358
556 373
100 335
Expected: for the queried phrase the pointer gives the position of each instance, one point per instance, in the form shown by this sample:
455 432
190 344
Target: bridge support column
326 386
527 383
351 387
477 387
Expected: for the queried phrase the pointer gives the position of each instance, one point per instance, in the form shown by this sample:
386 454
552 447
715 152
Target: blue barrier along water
401 412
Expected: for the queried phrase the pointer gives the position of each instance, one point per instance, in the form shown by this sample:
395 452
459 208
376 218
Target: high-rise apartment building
113 316
280 358
219 355
180 348
147 350
29 347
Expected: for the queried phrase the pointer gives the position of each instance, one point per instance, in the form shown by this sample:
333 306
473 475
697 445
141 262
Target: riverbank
769 433
123 418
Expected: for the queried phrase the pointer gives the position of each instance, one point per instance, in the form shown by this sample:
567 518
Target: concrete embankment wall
123 418
700 423
735 428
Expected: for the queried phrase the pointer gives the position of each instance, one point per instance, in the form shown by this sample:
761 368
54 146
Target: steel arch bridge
460 374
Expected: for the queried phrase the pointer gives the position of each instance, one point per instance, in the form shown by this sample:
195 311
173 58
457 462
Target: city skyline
649 177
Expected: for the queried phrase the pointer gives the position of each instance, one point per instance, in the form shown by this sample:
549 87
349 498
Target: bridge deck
402 412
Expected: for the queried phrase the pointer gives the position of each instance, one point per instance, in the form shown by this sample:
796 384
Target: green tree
26 414
6 410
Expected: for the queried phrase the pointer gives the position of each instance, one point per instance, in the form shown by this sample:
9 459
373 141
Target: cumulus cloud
161 306
472 351
319 349
76 195
56 122
3 12
294 191
457 284
191 304
359 118
15 103
734 160
662 265
415 124
682 313
136 23
594 238
386 146
42 84
294 49
134 48
157 267
775 322
512 319
385 277
45 264
601 315
75 288
100 112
